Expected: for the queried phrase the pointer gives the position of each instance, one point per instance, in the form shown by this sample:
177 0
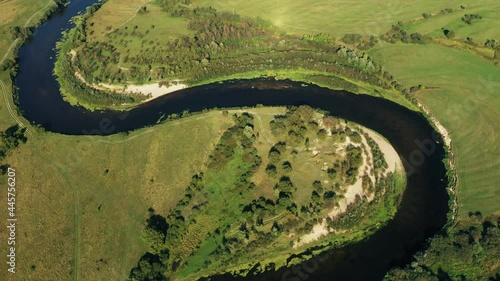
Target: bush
271 170
351 38
274 156
469 18
286 166
449 33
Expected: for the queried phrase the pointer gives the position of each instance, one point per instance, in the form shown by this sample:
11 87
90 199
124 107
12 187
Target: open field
480 30
83 200
120 23
114 15
463 93
336 17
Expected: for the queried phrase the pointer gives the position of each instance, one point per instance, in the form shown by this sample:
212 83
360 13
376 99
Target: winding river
424 204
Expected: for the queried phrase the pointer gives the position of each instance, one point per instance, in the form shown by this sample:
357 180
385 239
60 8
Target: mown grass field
479 30
336 17
465 98
82 201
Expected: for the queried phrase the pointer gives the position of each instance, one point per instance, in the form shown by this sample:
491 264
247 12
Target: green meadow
463 93
83 200
339 17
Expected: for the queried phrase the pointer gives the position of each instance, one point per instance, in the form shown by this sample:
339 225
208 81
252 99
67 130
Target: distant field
335 17
113 15
479 30
116 18
466 100
83 200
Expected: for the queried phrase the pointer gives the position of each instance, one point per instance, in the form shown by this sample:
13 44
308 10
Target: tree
449 33
286 166
271 170
322 134
274 156
149 268
285 185
332 173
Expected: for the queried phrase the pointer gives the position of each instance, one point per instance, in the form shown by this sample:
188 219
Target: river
424 204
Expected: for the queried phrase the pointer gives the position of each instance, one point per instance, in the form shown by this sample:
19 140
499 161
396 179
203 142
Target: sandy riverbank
394 164
151 91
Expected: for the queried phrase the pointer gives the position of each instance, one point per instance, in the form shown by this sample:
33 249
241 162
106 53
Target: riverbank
312 61
356 190
17 25
149 91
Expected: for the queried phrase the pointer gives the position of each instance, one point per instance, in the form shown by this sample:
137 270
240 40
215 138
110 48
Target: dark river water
424 204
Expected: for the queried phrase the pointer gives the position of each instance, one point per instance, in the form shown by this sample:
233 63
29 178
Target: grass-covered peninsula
274 187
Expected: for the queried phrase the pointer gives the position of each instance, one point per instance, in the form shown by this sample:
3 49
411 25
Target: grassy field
336 17
83 200
480 30
115 17
463 93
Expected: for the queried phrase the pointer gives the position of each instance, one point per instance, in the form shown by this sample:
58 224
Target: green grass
334 17
166 28
86 214
113 15
480 30
467 103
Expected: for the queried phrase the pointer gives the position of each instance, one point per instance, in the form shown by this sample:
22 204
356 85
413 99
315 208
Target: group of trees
294 125
379 162
469 18
11 138
361 42
492 43
153 264
468 252
166 236
397 33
